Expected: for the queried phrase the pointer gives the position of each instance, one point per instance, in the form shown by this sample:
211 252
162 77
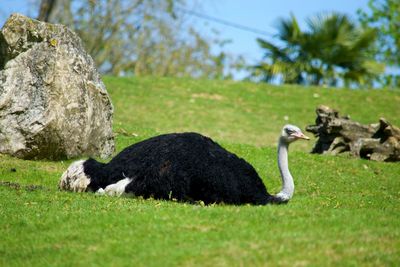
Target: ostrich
185 167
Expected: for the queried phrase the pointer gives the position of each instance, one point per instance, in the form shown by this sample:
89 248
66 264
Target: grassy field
345 211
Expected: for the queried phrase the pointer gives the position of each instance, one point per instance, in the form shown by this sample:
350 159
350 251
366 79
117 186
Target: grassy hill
236 112
345 211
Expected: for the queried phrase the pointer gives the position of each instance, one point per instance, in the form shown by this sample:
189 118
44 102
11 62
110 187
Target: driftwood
336 134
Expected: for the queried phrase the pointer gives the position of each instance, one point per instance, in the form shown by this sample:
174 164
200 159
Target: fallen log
339 134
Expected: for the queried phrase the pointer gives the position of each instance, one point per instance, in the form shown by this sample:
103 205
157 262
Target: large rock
53 103
336 134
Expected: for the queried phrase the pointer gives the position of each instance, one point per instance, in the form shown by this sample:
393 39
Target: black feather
184 166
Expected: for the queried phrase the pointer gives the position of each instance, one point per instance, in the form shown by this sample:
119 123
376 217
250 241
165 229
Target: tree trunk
45 10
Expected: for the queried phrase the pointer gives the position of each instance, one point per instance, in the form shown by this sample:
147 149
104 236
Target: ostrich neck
287 180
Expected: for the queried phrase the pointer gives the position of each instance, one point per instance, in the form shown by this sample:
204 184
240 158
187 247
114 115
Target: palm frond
289 30
273 51
332 48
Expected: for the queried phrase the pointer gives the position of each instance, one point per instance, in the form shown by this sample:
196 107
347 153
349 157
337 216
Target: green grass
345 211
244 113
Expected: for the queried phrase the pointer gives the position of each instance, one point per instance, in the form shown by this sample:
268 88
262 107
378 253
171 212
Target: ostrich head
291 133
74 178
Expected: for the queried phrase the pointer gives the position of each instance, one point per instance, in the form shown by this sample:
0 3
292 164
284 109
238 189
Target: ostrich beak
301 136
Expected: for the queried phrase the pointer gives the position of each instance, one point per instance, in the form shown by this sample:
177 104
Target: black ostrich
182 166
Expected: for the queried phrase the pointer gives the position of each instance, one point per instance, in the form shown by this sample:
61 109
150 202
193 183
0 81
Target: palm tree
332 50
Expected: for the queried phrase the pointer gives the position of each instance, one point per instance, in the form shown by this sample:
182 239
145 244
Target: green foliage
345 211
143 38
332 50
384 16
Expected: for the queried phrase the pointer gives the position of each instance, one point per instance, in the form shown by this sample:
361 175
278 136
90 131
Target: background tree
46 9
332 50
137 37
384 15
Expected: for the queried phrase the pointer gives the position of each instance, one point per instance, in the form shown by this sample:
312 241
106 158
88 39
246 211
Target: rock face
53 103
380 141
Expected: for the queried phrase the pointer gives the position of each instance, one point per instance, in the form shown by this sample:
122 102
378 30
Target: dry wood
336 134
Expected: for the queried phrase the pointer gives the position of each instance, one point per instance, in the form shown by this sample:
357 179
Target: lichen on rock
53 104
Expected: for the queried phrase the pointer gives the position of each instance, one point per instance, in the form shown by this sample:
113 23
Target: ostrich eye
289 131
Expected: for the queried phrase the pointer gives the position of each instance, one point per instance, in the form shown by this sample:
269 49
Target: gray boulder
53 104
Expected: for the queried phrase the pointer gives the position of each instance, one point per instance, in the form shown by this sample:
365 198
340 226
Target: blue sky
258 14
264 14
